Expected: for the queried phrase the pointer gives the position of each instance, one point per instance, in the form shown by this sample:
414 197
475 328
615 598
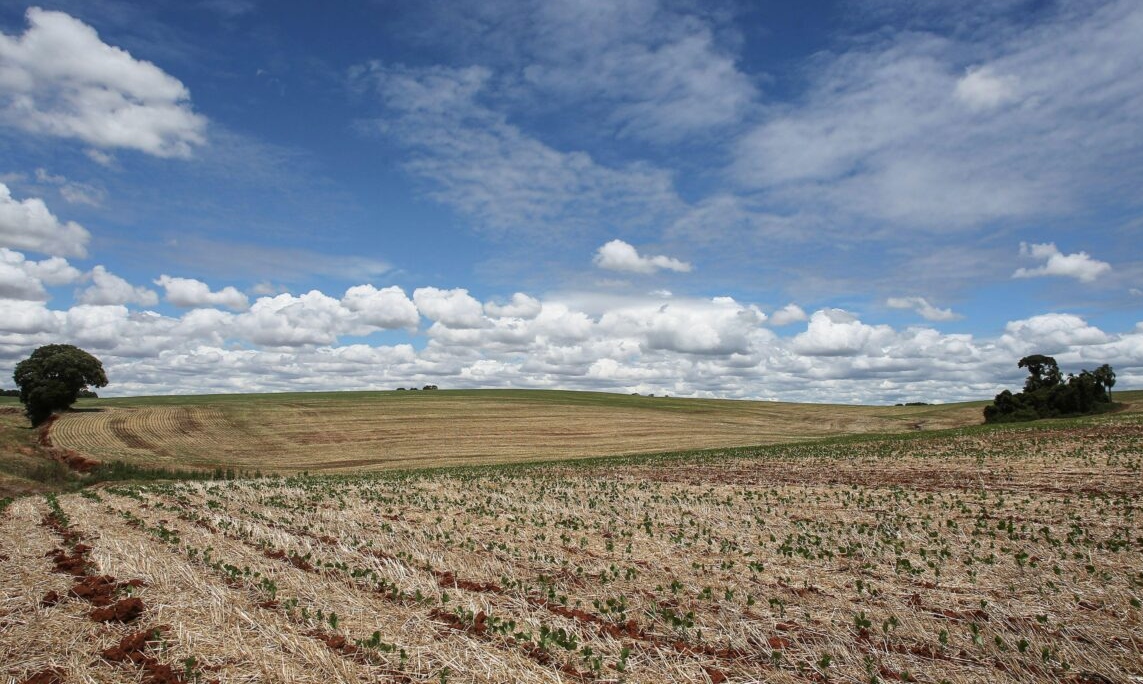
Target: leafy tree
1106 377
1043 372
53 376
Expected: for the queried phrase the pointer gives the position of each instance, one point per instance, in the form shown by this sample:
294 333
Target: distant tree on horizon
1047 394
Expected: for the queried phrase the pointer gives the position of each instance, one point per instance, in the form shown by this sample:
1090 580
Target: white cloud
720 326
451 308
387 308
53 271
16 282
1079 265
682 347
288 321
60 79
23 279
521 306
27 224
923 308
189 293
1050 334
982 89
617 255
791 313
109 289
833 332
26 321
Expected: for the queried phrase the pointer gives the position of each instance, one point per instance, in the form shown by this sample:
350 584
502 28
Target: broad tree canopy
52 377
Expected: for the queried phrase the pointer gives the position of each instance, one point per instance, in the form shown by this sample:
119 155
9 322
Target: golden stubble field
1009 555
349 432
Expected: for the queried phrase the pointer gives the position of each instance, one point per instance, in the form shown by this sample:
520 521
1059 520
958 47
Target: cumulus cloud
387 308
923 308
834 332
521 306
108 289
24 322
451 308
720 326
1050 334
617 255
16 282
189 293
1079 265
791 313
21 278
682 346
288 321
27 224
60 79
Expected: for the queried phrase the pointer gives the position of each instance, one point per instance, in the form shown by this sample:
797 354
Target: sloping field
355 431
982 555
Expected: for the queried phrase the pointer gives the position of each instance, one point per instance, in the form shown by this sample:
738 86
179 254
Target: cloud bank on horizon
880 203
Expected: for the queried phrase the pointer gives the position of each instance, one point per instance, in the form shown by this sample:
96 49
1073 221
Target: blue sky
872 201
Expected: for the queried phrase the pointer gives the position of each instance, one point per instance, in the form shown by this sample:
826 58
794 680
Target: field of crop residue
999 555
382 430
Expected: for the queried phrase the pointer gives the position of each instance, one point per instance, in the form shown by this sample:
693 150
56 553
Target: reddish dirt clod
126 610
133 649
74 564
133 646
52 675
97 590
50 599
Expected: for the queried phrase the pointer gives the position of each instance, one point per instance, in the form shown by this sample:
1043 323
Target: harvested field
999 555
372 431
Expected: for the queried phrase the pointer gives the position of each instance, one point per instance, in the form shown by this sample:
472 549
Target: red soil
52 675
125 610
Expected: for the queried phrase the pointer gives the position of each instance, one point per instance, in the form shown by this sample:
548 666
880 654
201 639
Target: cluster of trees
53 377
426 388
1048 394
